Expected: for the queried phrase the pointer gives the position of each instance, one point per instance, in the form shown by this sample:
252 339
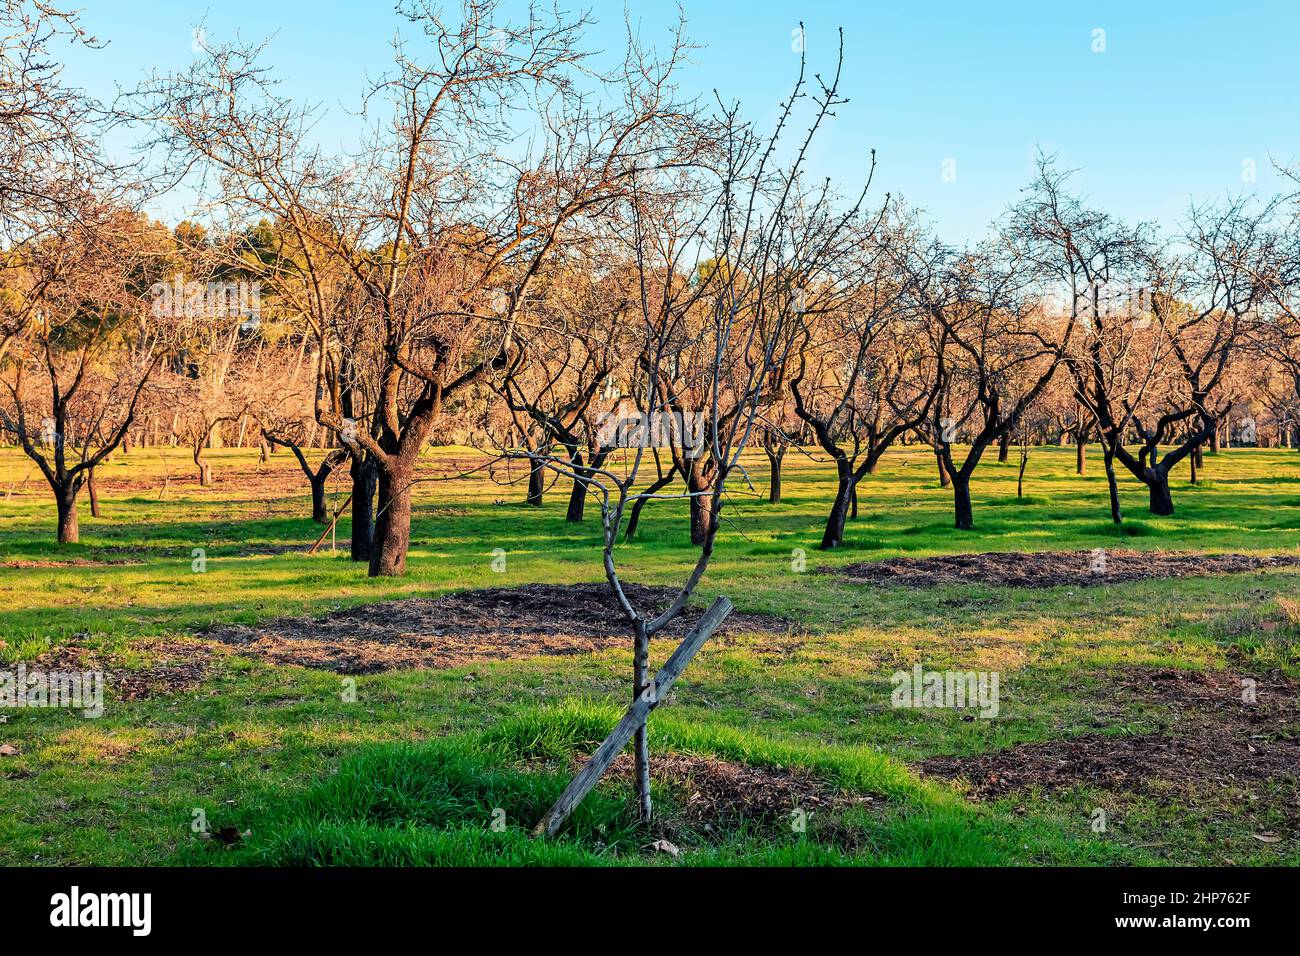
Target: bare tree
712 284
1001 353
1096 265
444 260
1203 298
866 373
76 370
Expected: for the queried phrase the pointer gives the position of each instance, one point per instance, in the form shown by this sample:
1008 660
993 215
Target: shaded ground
467 627
1212 743
1045 569
721 793
174 667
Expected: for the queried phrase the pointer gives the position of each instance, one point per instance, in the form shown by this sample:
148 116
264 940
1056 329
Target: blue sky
1182 98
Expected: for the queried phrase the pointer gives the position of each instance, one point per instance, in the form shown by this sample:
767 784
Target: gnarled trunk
65 498
662 482
1162 502
392 521
578 495
577 508
833 536
698 483
205 468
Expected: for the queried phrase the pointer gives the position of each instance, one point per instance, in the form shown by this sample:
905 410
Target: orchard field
1146 721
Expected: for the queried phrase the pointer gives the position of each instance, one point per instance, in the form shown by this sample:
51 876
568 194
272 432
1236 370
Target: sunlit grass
275 749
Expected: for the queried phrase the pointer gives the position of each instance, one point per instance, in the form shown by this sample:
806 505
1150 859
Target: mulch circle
466 627
174 667
1045 569
1212 740
722 792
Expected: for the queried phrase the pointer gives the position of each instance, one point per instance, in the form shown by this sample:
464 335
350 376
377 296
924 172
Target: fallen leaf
663 846
1267 837
8 750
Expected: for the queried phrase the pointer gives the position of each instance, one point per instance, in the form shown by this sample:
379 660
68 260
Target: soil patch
68 563
464 628
174 667
1045 569
721 793
1210 742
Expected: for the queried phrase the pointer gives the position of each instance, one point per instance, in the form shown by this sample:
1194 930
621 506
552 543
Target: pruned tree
713 266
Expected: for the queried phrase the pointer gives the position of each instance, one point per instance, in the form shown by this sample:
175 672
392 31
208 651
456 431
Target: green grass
413 771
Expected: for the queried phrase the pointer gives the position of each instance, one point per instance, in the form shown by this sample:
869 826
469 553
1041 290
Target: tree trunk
392 522
1080 457
536 483
205 468
697 483
944 478
577 502
1004 447
660 484
363 507
94 493
578 496
1162 502
1113 485
853 501
1214 441
833 536
319 514
774 457
66 500
961 502
640 678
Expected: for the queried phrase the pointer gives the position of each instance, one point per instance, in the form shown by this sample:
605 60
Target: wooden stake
335 520
635 717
